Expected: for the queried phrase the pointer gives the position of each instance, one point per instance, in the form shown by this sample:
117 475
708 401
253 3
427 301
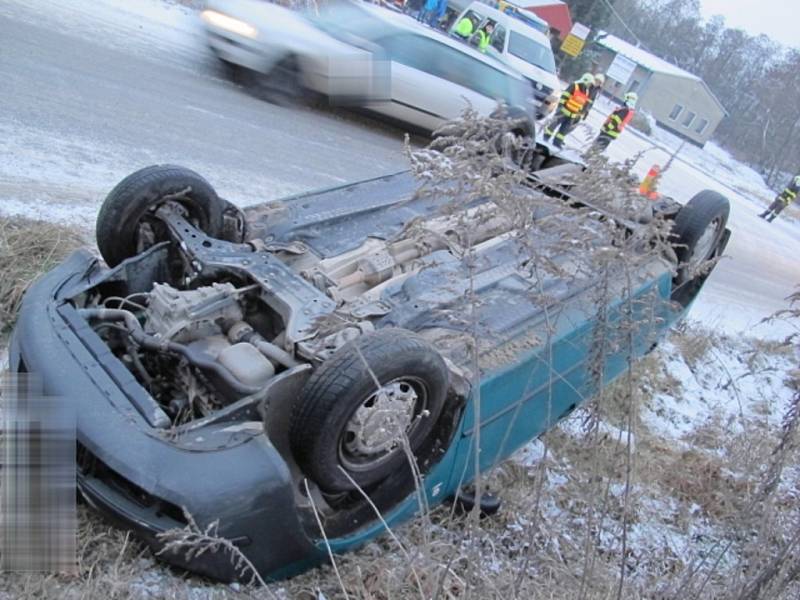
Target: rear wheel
518 147
282 85
374 398
126 224
696 233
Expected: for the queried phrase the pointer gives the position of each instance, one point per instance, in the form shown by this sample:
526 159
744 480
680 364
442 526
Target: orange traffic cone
650 183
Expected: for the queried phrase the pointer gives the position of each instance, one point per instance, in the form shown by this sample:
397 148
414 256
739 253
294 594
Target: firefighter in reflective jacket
570 107
782 200
464 28
485 36
594 90
616 122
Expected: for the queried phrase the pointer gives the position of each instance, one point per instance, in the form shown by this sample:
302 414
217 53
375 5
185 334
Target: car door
415 90
419 94
431 81
467 75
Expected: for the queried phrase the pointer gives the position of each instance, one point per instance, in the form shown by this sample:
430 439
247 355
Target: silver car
363 55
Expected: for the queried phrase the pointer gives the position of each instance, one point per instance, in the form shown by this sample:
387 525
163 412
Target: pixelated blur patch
38 520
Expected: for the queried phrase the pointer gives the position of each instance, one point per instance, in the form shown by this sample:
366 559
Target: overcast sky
776 18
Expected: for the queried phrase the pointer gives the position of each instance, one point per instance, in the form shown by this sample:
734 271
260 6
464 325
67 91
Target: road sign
621 69
575 40
580 31
572 45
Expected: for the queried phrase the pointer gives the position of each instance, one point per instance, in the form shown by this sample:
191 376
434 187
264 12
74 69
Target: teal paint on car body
521 401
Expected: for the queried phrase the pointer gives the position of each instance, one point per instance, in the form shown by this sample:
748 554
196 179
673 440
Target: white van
519 45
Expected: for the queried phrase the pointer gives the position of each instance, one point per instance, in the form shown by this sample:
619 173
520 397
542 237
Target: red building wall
556 15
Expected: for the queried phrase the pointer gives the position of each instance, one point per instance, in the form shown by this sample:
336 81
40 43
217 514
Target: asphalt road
83 106
94 89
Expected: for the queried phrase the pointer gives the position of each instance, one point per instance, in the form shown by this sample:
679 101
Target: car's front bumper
237 50
134 473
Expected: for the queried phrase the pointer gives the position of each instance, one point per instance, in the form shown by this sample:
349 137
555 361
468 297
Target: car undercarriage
318 355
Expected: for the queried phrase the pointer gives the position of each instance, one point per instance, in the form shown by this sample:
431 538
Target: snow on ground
710 412
732 382
759 270
712 159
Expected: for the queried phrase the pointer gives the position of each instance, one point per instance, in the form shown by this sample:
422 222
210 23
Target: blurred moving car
520 45
363 55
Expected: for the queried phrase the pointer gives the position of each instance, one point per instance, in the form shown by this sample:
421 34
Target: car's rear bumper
134 473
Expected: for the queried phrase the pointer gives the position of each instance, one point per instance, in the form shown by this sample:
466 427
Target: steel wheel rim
375 431
704 247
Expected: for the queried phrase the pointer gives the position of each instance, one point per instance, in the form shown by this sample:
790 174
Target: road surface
94 89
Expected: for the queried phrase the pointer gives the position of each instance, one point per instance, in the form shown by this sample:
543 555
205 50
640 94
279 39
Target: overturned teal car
310 361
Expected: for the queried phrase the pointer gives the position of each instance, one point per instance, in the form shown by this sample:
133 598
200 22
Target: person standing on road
570 106
782 200
441 10
594 89
616 122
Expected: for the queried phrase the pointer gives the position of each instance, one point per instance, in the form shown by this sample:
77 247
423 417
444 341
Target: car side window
489 81
499 38
476 18
441 60
411 50
471 73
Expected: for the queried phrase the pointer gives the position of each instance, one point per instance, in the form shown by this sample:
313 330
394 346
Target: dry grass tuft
694 345
27 249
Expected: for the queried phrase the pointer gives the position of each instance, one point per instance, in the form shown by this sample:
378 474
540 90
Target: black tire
282 84
130 202
518 147
320 430
231 71
706 209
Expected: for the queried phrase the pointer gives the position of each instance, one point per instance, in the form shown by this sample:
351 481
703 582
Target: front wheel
126 224
368 409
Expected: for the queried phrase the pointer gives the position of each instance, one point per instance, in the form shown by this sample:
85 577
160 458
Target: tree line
755 78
